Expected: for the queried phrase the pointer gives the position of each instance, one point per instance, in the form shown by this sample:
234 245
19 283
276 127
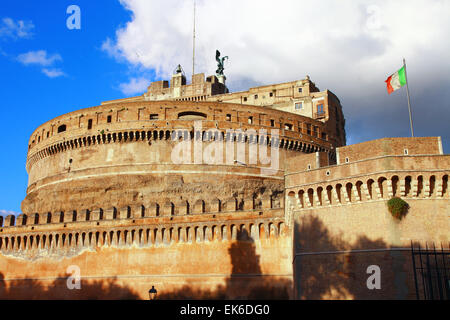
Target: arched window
191 115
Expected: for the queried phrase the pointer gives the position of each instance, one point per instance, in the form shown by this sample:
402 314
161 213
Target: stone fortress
104 195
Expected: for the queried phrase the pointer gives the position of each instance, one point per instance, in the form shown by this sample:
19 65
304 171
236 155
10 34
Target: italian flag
396 80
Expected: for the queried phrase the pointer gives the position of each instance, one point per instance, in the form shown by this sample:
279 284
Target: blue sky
30 97
348 47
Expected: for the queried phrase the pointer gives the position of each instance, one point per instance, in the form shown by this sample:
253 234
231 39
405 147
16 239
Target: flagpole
409 102
193 45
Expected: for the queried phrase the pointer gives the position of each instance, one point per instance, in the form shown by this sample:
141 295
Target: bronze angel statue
220 61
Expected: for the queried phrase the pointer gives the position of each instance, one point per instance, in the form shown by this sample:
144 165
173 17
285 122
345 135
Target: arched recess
320 195
432 185
310 196
348 190
395 186
330 194
408 180
338 192
358 185
382 185
445 192
419 186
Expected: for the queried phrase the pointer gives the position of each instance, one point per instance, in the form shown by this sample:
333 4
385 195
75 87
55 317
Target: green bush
398 207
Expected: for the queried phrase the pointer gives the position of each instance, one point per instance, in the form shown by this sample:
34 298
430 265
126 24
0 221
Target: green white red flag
396 80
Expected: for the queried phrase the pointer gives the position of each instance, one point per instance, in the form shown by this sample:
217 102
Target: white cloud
43 59
134 86
53 73
267 42
8 212
15 29
350 47
38 57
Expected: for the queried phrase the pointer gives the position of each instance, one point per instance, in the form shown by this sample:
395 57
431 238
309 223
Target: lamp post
152 293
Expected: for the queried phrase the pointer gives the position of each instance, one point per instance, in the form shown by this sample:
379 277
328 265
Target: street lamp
152 293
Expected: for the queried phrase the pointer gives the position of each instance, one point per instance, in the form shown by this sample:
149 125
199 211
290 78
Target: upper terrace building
300 97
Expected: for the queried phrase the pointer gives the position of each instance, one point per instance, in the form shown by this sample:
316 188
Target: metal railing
431 272
320 114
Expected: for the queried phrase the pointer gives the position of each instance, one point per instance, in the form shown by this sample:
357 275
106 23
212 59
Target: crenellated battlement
412 184
161 210
154 234
239 136
174 115
412 168
158 224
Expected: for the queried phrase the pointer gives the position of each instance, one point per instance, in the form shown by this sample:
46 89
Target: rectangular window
308 128
316 131
324 136
256 96
272 123
250 120
288 126
228 117
109 119
300 90
299 106
89 124
271 94
320 109
154 117
299 126
245 99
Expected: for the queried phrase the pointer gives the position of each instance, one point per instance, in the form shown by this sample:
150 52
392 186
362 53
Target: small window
300 90
309 167
250 120
288 126
316 131
406 152
109 119
48 134
228 117
154 117
272 123
347 160
245 99
271 94
324 136
299 106
256 96
299 126
39 139
320 109
308 128
61 128
89 124
328 173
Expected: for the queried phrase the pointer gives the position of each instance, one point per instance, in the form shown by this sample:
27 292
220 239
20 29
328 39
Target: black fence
431 271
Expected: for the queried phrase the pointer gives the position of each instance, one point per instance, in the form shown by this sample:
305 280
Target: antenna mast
193 46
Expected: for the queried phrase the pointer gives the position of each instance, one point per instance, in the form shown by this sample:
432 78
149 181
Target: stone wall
342 224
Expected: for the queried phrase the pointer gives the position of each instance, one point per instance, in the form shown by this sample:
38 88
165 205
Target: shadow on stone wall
245 281
328 267
32 289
